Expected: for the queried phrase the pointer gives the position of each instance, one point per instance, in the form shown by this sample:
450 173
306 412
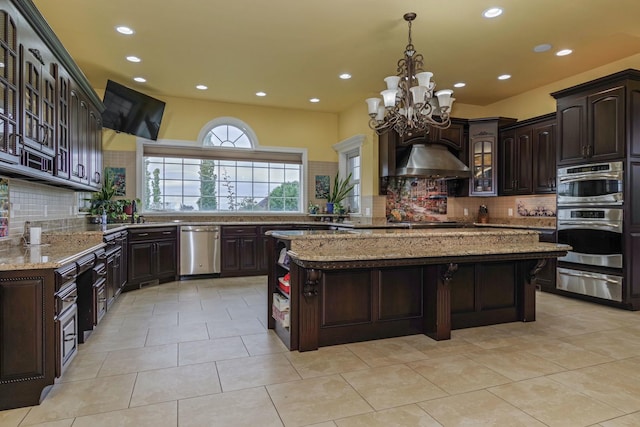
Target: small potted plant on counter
341 189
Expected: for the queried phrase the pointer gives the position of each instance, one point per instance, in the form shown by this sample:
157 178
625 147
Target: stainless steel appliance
199 249
595 235
600 285
591 184
590 219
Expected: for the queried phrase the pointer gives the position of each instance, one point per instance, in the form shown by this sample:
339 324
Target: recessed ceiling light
140 79
564 52
201 87
124 30
345 76
459 84
492 12
314 100
261 94
133 59
504 77
542 47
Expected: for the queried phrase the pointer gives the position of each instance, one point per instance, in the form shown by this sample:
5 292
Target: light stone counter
360 245
44 256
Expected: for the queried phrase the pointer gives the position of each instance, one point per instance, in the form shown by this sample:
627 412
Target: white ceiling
294 50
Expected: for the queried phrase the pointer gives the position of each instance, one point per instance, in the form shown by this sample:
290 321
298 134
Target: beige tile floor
196 353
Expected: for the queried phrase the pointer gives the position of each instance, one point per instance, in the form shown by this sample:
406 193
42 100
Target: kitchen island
334 287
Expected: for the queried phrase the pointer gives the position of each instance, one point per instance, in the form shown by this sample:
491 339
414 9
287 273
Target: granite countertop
498 225
354 245
43 256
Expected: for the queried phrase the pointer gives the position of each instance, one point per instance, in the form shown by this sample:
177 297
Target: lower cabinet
239 250
27 336
546 278
152 256
245 247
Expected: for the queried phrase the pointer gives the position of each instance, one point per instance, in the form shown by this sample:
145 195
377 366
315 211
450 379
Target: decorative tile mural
539 206
415 199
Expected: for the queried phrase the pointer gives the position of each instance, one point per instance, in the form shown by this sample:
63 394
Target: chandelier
408 103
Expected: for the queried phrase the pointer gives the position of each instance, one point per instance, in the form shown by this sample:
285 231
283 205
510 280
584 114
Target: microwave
591 184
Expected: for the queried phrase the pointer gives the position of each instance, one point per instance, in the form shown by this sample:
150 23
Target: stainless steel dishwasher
199 249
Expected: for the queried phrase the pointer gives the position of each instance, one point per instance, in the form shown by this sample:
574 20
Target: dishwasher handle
200 229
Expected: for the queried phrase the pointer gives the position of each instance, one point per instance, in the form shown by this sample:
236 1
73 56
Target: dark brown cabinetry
9 87
239 247
152 256
45 134
27 336
546 278
116 268
527 161
591 120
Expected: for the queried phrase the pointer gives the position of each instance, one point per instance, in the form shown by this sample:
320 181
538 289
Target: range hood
431 161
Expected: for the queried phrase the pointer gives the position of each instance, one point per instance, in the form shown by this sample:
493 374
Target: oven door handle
587 177
589 276
591 224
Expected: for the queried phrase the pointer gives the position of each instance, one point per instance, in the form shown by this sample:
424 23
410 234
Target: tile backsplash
415 199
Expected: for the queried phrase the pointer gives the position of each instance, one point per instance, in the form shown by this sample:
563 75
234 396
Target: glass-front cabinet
483 165
483 141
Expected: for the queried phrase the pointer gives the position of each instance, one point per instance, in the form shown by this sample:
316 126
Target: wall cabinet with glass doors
483 155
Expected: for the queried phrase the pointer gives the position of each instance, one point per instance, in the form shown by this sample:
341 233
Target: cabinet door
95 149
230 255
483 166
77 145
62 161
248 254
544 159
9 144
141 262
523 161
572 129
167 258
606 124
508 163
110 288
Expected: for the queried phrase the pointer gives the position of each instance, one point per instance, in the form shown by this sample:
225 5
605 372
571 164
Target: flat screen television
131 112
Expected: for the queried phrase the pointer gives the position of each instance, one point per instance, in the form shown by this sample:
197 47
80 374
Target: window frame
257 153
345 149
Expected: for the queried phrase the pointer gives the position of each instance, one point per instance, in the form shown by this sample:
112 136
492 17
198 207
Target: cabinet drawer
152 233
239 230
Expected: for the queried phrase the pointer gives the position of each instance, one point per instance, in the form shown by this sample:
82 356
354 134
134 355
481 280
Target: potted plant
341 188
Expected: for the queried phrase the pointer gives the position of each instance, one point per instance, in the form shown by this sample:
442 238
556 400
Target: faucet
134 209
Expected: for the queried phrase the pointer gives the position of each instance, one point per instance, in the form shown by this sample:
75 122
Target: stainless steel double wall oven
590 219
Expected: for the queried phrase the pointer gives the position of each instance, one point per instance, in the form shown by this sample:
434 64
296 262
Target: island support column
437 294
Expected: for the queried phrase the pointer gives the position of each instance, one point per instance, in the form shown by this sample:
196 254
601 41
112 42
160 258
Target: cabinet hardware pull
166 232
72 337
142 234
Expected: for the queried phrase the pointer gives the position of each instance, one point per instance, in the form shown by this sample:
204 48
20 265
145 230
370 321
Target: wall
275 127
35 202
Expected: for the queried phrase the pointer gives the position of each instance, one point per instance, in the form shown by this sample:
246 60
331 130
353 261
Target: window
224 173
353 168
349 158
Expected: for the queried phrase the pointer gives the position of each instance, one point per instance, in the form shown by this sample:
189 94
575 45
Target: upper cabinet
527 157
9 86
38 122
483 155
591 119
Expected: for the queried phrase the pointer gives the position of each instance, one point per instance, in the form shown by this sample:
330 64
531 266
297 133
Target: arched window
223 171
228 132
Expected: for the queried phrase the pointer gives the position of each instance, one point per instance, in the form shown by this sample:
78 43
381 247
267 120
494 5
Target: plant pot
128 209
329 208
483 218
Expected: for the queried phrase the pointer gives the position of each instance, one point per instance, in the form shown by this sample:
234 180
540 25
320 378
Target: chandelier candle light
408 103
